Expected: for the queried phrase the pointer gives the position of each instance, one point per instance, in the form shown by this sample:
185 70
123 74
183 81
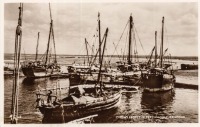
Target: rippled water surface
180 105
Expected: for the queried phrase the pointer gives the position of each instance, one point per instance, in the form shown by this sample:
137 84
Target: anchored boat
82 101
88 73
129 71
158 78
89 67
40 69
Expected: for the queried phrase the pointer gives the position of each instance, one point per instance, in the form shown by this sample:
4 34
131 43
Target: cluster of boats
94 86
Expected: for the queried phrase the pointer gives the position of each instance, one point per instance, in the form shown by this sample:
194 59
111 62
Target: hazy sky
74 21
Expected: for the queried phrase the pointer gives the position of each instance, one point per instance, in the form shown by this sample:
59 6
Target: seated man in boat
49 98
50 66
38 63
30 64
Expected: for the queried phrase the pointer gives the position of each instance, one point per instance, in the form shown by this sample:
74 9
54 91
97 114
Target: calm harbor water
180 105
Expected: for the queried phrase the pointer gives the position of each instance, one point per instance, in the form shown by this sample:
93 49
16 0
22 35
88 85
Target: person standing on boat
49 97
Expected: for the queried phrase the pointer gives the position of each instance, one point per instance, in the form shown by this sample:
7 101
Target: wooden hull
35 73
30 72
158 83
130 80
69 112
62 75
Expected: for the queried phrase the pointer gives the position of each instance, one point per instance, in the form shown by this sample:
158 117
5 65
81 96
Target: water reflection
159 103
28 81
107 116
128 97
27 97
132 104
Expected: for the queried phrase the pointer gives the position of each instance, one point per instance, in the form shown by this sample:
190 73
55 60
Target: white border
1 63
91 125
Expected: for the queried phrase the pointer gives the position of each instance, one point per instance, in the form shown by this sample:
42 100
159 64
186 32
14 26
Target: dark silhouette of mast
149 62
51 32
130 37
99 74
155 48
161 46
86 43
99 29
37 46
55 61
47 53
105 37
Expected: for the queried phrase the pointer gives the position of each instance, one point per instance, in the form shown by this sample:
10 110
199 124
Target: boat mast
149 62
92 53
17 55
161 47
51 32
24 55
130 37
99 74
105 36
155 48
47 53
87 49
37 46
99 29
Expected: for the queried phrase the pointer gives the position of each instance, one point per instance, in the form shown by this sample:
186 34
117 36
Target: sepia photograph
100 62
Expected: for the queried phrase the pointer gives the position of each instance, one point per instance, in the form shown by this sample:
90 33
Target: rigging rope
126 46
17 56
139 39
121 36
166 36
135 48
116 51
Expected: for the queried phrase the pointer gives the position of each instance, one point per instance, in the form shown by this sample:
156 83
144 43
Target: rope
14 80
43 57
17 56
121 36
167 39
139 39
126 46
94 28
116 51
54 43
137 81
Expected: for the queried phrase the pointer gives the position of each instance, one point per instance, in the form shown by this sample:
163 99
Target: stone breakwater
187 79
